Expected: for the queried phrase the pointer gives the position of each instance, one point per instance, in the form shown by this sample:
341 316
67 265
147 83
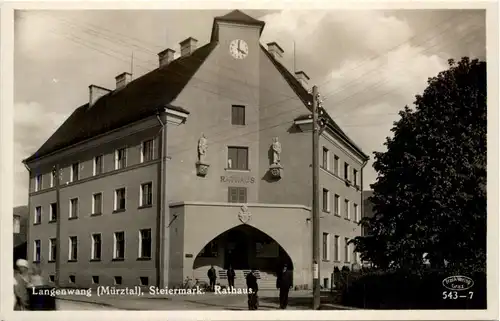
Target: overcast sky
368 64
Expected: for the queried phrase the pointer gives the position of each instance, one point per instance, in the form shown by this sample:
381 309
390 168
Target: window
96 247
38 183
37 249
119 246
238 115
53 212
145 243
72 279
17 224
347 209
237 194
326 247
355 177
97 204
120 199
354 255
326 200
73 208
326 158
147 151
52 250
120 158
210 250
337 205
52 278
118 280
237 158
356 213
346 171
146 197
98 165
75 172
144 280
336 162
346 251
336 248
52 178
95 279
38 215
73 248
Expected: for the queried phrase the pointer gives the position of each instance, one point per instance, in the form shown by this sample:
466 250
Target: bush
398 290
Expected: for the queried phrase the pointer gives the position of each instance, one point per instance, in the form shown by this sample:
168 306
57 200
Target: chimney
303 78
96 92
123 79
188 46
166 56
275 50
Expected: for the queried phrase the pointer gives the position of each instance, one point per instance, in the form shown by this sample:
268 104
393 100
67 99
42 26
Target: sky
367 64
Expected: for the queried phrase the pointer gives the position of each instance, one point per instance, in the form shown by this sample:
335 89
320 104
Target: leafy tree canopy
430 193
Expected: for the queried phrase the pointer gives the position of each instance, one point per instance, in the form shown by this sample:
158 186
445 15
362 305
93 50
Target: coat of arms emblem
244 215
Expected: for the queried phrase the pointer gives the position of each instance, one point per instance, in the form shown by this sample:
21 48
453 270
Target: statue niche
202 164
276 170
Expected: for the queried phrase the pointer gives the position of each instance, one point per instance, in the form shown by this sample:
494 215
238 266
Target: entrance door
236 251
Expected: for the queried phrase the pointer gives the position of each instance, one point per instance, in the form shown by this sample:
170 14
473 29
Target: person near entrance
230 276
253 288
284 282
212 276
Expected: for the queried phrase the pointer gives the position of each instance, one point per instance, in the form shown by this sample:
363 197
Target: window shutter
242 195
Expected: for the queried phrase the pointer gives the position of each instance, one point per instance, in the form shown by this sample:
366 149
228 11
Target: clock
238 49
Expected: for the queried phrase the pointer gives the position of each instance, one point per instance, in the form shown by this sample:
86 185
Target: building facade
203 161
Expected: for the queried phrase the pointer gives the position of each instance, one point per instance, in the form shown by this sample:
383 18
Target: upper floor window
355 177
120 199
75 172
346 171
237 115
120 158
347 251
38 215
97 203
336 165
326 158
336 249
73 208
347 209
119 246
147 151
52 249
17 224
98 165
237 194
146 196
96 247
53 178
145 244
237 158
53 212
356 213
37 250
326 200
336 205
38 183
73 248
326 247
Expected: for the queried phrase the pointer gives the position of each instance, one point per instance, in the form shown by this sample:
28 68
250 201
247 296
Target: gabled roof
141 98
306 97
235 16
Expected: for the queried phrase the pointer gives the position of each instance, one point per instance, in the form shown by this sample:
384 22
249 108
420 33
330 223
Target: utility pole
56 171
315 203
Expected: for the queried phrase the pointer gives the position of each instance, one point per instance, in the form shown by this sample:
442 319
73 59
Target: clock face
238 49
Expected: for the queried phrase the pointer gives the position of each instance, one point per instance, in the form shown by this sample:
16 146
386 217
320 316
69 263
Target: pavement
268 300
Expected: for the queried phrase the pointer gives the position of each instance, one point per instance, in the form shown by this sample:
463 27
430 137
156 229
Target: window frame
38 182
141 244
94 203
337 248
72 178
241 112
347 254
115 205
347 209
52 249
71 250
336 165
238 189
336 207
326 162
230 165
325 201
71 216
152 153
141 194
37 251
115 246
93 247
96 172
325 255
52 208
124 158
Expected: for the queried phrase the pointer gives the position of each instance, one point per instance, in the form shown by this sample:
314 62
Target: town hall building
204 161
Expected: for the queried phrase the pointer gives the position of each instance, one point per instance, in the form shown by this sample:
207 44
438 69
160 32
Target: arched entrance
243 247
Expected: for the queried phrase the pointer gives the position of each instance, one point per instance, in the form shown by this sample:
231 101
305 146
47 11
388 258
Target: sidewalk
269 300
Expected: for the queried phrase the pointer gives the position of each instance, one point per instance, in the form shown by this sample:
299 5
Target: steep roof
139 99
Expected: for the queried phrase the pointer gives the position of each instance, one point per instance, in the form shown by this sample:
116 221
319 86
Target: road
64 305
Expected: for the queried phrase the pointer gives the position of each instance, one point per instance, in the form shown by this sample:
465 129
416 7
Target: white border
6 173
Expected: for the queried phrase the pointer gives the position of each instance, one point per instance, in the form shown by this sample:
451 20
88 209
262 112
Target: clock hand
239 45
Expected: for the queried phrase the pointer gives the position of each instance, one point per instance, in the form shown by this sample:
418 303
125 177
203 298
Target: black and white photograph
254 159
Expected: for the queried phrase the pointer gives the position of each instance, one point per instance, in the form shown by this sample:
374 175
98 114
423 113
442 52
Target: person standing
36 277
212 276
21 284
284 282
253 288
230 277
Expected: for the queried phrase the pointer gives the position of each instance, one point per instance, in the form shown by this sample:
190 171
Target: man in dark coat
230 277
253 288
212 276
284 282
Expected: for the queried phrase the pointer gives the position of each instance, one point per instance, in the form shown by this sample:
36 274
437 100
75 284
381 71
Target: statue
202 148
276 150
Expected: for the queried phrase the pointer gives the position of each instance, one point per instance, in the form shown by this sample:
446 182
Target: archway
243 247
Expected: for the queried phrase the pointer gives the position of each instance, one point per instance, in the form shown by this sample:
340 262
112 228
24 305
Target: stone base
276 171
202 169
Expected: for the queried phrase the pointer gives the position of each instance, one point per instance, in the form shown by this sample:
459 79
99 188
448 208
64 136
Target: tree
430 193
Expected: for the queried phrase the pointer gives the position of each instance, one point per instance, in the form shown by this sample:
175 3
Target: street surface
65 305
